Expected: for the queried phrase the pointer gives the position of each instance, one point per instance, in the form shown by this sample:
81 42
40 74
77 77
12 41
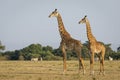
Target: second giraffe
94 46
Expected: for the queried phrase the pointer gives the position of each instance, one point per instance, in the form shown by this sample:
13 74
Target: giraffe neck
91 38
63 33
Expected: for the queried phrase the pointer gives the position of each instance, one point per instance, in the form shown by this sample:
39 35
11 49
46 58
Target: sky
24 22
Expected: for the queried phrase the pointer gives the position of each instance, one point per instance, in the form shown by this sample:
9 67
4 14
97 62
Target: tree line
48 53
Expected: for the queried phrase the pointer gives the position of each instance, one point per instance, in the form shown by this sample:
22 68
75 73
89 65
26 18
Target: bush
21 58
3 58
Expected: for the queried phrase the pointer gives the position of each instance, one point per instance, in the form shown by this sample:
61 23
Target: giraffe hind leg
102 64
83 67
92 64
81 63
102 67
64 60
103 54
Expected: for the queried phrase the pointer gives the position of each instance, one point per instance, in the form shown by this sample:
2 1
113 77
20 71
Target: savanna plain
53 70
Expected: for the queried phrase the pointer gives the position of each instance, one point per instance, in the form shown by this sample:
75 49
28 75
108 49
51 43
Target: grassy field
52 70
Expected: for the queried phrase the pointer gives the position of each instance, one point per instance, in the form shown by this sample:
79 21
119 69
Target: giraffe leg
80 66
81 63
102 66
64 60
102 62
91 64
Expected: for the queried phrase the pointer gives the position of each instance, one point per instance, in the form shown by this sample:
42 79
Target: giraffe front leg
64 60
91 64
102 66
81 63
102 61
103 55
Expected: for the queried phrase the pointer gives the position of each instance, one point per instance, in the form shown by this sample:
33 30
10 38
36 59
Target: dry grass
52 70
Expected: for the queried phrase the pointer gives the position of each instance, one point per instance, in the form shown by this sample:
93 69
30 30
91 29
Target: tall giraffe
94 46
67 42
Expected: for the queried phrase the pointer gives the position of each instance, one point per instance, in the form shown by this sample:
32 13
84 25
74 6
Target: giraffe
67 42
94 46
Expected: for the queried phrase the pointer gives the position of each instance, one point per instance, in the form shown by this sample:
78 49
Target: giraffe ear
55 9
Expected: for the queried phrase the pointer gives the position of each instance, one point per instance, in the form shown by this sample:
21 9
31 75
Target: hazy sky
23 22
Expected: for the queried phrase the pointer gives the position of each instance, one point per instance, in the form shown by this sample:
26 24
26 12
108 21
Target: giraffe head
83 20
54 14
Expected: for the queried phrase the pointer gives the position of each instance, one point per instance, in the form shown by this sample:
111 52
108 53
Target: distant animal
34 59
96 59
41 59
110 58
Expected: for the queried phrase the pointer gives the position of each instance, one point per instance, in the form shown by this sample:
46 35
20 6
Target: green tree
33 50
109 51
57 52
118 49
9 55
1 46
48 48
48 56
86 50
